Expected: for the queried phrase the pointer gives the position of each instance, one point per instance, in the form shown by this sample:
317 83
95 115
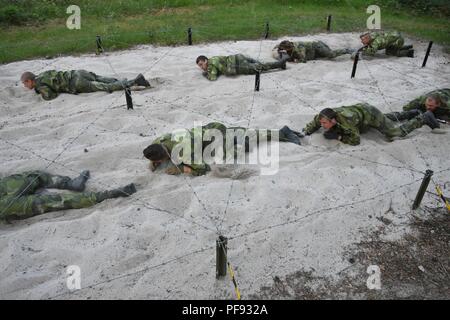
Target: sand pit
160 243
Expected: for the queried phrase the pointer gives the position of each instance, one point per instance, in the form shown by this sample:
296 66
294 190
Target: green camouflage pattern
51 83
17 198
391 41
310 50
171 140
359 118
236 64
442 112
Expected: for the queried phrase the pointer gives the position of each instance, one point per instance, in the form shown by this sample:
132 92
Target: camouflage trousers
247 65
395 49
85 81
244 143
383 124
322 50
21 201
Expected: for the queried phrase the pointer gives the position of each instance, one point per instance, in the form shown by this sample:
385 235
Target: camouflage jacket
220 65
302 52
382 40
351 120
442 111
50 83
177 139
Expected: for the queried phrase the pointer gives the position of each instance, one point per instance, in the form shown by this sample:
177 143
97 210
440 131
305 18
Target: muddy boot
408 47
406 53
65 183
429 119
116 193
140 81
287 135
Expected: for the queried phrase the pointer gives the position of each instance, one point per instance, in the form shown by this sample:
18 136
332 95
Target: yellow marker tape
439 191
238 293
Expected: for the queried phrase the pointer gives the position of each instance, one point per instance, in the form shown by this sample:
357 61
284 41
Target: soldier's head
433 102
287 46
327 118
156 153
365 38
202 62
28 79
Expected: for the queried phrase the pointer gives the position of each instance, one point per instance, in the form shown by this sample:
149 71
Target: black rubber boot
140 81
287 135
65 183
429 119
405 53
116 193
407 47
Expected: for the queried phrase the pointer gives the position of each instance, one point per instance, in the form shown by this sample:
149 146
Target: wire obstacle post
266 34
257 80
128 98
329 23
422 189
98 41
189 32
221 256
355 65
427 54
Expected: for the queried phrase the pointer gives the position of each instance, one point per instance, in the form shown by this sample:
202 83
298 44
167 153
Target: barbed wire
229 195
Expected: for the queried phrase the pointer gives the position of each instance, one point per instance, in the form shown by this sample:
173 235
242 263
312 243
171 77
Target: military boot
405 53
140 81
77 184
116 193
404 115
287 135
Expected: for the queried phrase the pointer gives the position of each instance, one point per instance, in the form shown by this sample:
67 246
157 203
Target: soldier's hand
154 165
173 170
187 169
331 134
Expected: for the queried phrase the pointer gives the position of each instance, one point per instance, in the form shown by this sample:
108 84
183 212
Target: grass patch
123 24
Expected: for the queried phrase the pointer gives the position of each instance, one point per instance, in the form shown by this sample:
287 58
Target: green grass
123 24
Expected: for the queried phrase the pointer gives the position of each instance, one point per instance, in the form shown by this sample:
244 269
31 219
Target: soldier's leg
22 184
396 48
85 82
403 115
321 50
65 183
29 206
388 127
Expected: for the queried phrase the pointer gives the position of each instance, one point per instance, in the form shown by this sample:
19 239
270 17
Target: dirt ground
415 267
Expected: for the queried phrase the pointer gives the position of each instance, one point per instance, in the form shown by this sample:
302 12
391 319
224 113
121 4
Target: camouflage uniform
359 118
442 112
236 64
17 198
310 50
50 83
169 141
391 41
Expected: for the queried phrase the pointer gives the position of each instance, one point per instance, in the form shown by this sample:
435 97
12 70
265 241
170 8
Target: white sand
122 236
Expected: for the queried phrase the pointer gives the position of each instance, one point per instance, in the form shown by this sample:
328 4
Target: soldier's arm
47 93
313 126
197 169
372 48
299 55
350 135
212 73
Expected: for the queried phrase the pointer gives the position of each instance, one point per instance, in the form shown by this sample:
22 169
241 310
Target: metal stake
221 257
422 189
427 54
